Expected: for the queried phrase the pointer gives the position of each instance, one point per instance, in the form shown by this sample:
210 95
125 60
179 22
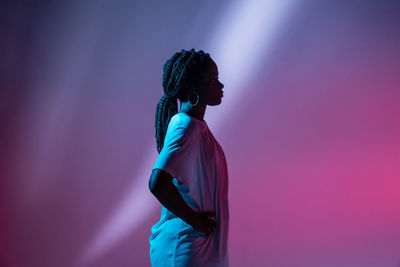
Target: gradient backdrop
310 125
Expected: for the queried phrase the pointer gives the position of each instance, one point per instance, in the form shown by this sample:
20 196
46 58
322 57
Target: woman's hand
203 223
162 187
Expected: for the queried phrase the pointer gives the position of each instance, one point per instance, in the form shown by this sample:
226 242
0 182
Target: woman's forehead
212 69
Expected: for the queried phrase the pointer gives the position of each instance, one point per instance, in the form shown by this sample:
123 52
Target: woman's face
210 92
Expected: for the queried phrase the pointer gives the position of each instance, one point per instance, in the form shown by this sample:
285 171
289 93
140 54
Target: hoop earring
197 100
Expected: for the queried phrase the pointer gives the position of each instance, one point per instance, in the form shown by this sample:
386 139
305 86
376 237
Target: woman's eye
214 81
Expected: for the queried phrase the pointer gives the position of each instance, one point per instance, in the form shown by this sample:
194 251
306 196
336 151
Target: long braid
178 72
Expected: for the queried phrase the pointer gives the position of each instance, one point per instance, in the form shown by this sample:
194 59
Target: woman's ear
189 88
192 89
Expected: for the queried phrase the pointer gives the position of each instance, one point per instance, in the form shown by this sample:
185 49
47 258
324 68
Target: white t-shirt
197 162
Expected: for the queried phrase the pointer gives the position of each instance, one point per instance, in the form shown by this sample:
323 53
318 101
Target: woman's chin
217 102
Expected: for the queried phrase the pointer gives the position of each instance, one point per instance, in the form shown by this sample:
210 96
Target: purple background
310 125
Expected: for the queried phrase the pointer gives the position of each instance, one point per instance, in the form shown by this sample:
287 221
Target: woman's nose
221 85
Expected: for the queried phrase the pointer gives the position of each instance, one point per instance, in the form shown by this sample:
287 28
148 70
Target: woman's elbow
159 179
153 183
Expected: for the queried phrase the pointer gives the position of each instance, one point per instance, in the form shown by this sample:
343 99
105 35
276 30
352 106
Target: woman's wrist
192 218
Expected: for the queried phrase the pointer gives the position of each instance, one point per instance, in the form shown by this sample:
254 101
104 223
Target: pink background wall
310 125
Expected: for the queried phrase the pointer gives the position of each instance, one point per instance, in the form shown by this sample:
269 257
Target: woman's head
188 76
209 89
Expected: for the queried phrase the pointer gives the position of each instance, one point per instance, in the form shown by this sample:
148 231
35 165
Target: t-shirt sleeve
178 154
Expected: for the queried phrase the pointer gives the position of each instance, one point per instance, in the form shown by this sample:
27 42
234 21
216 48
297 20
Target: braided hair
180 71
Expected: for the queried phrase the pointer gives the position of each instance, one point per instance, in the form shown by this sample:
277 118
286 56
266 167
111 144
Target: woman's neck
196 112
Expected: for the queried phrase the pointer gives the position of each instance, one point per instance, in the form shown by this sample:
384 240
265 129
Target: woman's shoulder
181 127
183 120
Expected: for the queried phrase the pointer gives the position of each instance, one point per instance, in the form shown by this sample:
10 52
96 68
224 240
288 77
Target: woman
190 176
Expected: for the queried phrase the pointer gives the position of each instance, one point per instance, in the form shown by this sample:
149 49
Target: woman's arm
161 186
